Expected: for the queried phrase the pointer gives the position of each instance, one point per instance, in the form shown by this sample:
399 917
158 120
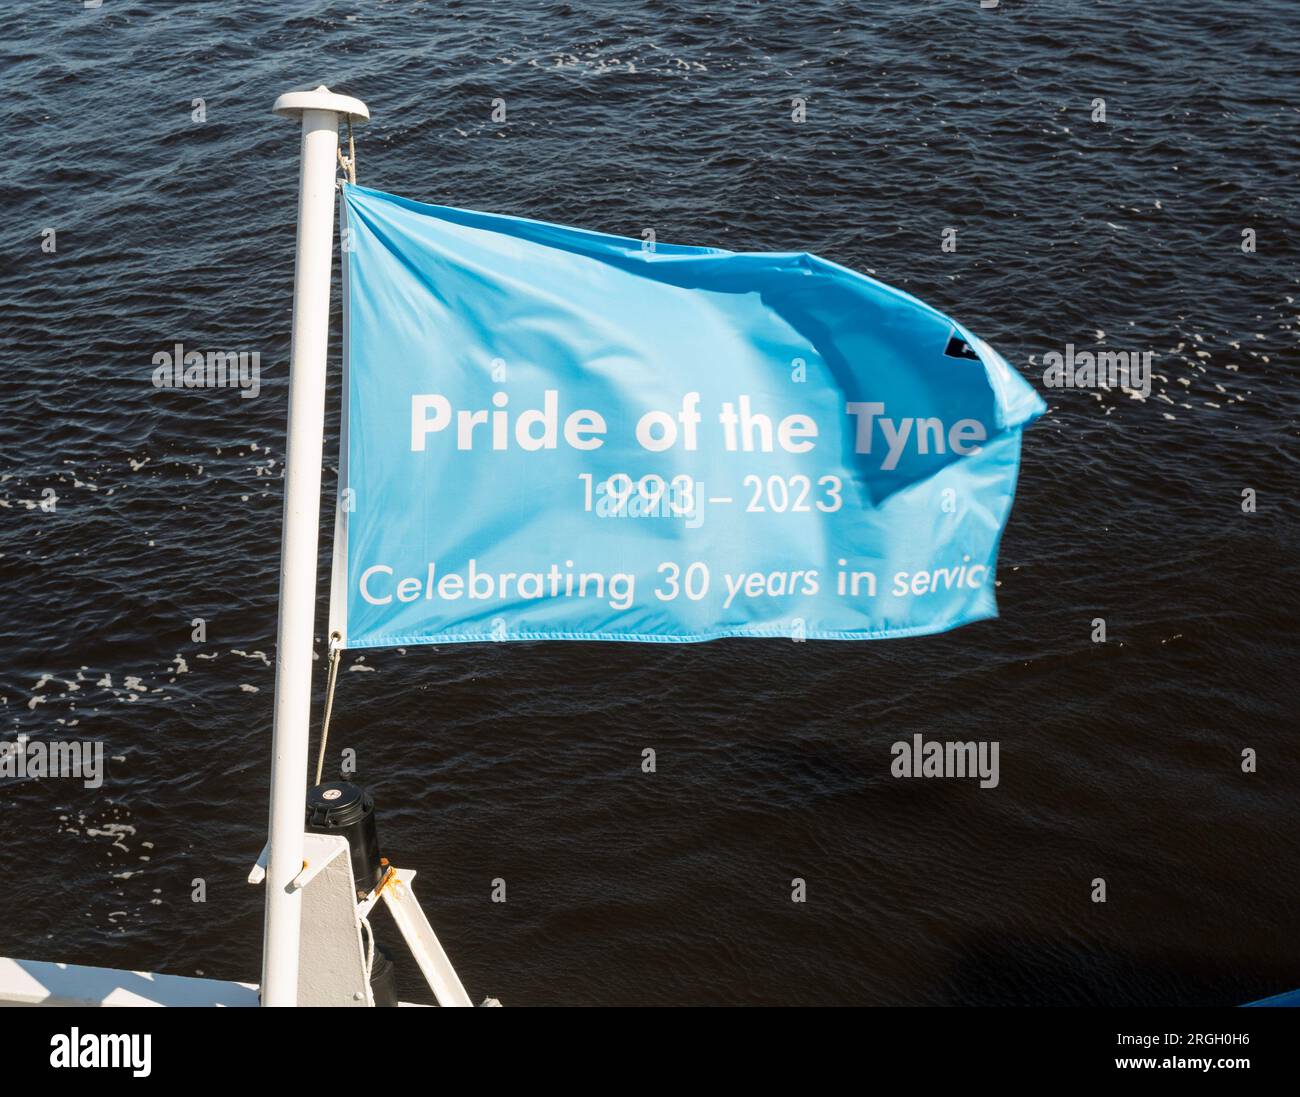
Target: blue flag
550 433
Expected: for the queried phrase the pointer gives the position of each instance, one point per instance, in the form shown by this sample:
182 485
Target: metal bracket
325 943
318 850
258 872
421 940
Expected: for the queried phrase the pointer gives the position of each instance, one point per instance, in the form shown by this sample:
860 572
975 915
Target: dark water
1119 760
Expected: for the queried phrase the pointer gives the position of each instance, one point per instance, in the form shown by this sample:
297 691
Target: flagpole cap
292 103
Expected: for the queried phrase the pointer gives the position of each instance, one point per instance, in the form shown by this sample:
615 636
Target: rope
370 948
335 653
349 162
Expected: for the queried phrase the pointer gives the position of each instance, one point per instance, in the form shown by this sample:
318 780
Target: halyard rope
370 948
349 162
335 652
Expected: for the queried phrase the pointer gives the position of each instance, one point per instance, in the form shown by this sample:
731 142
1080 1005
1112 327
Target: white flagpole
320 111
